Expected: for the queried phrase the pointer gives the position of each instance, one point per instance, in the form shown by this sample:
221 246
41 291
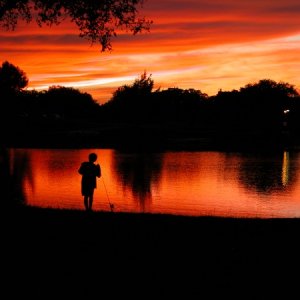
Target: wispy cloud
202 44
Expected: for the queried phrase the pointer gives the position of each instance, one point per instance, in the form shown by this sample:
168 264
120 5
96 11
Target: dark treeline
261 111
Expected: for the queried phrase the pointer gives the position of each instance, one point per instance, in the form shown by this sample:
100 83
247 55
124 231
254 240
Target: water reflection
5 174
187 183
15 174
285 173
267 173
138 172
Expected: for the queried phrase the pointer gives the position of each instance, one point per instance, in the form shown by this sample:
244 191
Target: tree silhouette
179 104
269 88
67 102
256 106
96 20
138 102
12 78
130 102
265 101
141 87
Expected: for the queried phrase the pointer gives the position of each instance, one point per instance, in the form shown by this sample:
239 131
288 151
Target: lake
196 183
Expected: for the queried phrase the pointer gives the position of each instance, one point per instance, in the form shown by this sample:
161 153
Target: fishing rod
111 205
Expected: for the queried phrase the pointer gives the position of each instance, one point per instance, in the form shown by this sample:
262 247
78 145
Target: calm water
184 183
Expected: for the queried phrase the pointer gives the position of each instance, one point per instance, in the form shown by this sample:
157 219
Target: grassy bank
103 254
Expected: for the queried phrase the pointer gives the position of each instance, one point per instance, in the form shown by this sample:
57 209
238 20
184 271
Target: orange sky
202 44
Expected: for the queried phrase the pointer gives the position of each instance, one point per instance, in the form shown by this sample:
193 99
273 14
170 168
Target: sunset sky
202 44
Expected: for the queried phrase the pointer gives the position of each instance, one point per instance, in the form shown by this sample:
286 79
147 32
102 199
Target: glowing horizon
200 44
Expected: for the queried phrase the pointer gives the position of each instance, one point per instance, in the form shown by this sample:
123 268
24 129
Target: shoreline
157 137
176 144
149 254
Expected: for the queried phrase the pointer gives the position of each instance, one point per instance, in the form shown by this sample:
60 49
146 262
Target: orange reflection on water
186 183
208 178
57 181
285 168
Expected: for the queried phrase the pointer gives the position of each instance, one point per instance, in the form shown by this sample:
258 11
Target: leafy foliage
67 101
138 101
270 89
256 105
141 87
12 78
97 20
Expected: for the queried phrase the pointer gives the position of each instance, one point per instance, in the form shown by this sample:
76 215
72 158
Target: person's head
92 157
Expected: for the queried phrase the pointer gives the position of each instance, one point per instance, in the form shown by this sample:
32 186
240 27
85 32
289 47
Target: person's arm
98 168
80 170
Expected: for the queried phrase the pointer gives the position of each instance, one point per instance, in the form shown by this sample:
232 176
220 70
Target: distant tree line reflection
15 169
267 173
140 172
141 175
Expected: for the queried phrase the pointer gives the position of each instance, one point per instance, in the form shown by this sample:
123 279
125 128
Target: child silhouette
89 171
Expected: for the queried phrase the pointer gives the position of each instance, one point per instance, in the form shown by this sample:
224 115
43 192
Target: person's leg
86 202
90 202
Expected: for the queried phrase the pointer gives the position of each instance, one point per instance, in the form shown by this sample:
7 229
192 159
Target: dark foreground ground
53 254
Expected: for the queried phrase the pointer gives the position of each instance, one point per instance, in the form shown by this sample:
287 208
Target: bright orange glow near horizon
202 44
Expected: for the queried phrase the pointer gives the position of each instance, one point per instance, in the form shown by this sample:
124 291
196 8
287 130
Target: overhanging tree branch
97 20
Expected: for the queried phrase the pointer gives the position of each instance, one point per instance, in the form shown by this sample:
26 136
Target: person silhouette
89 171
